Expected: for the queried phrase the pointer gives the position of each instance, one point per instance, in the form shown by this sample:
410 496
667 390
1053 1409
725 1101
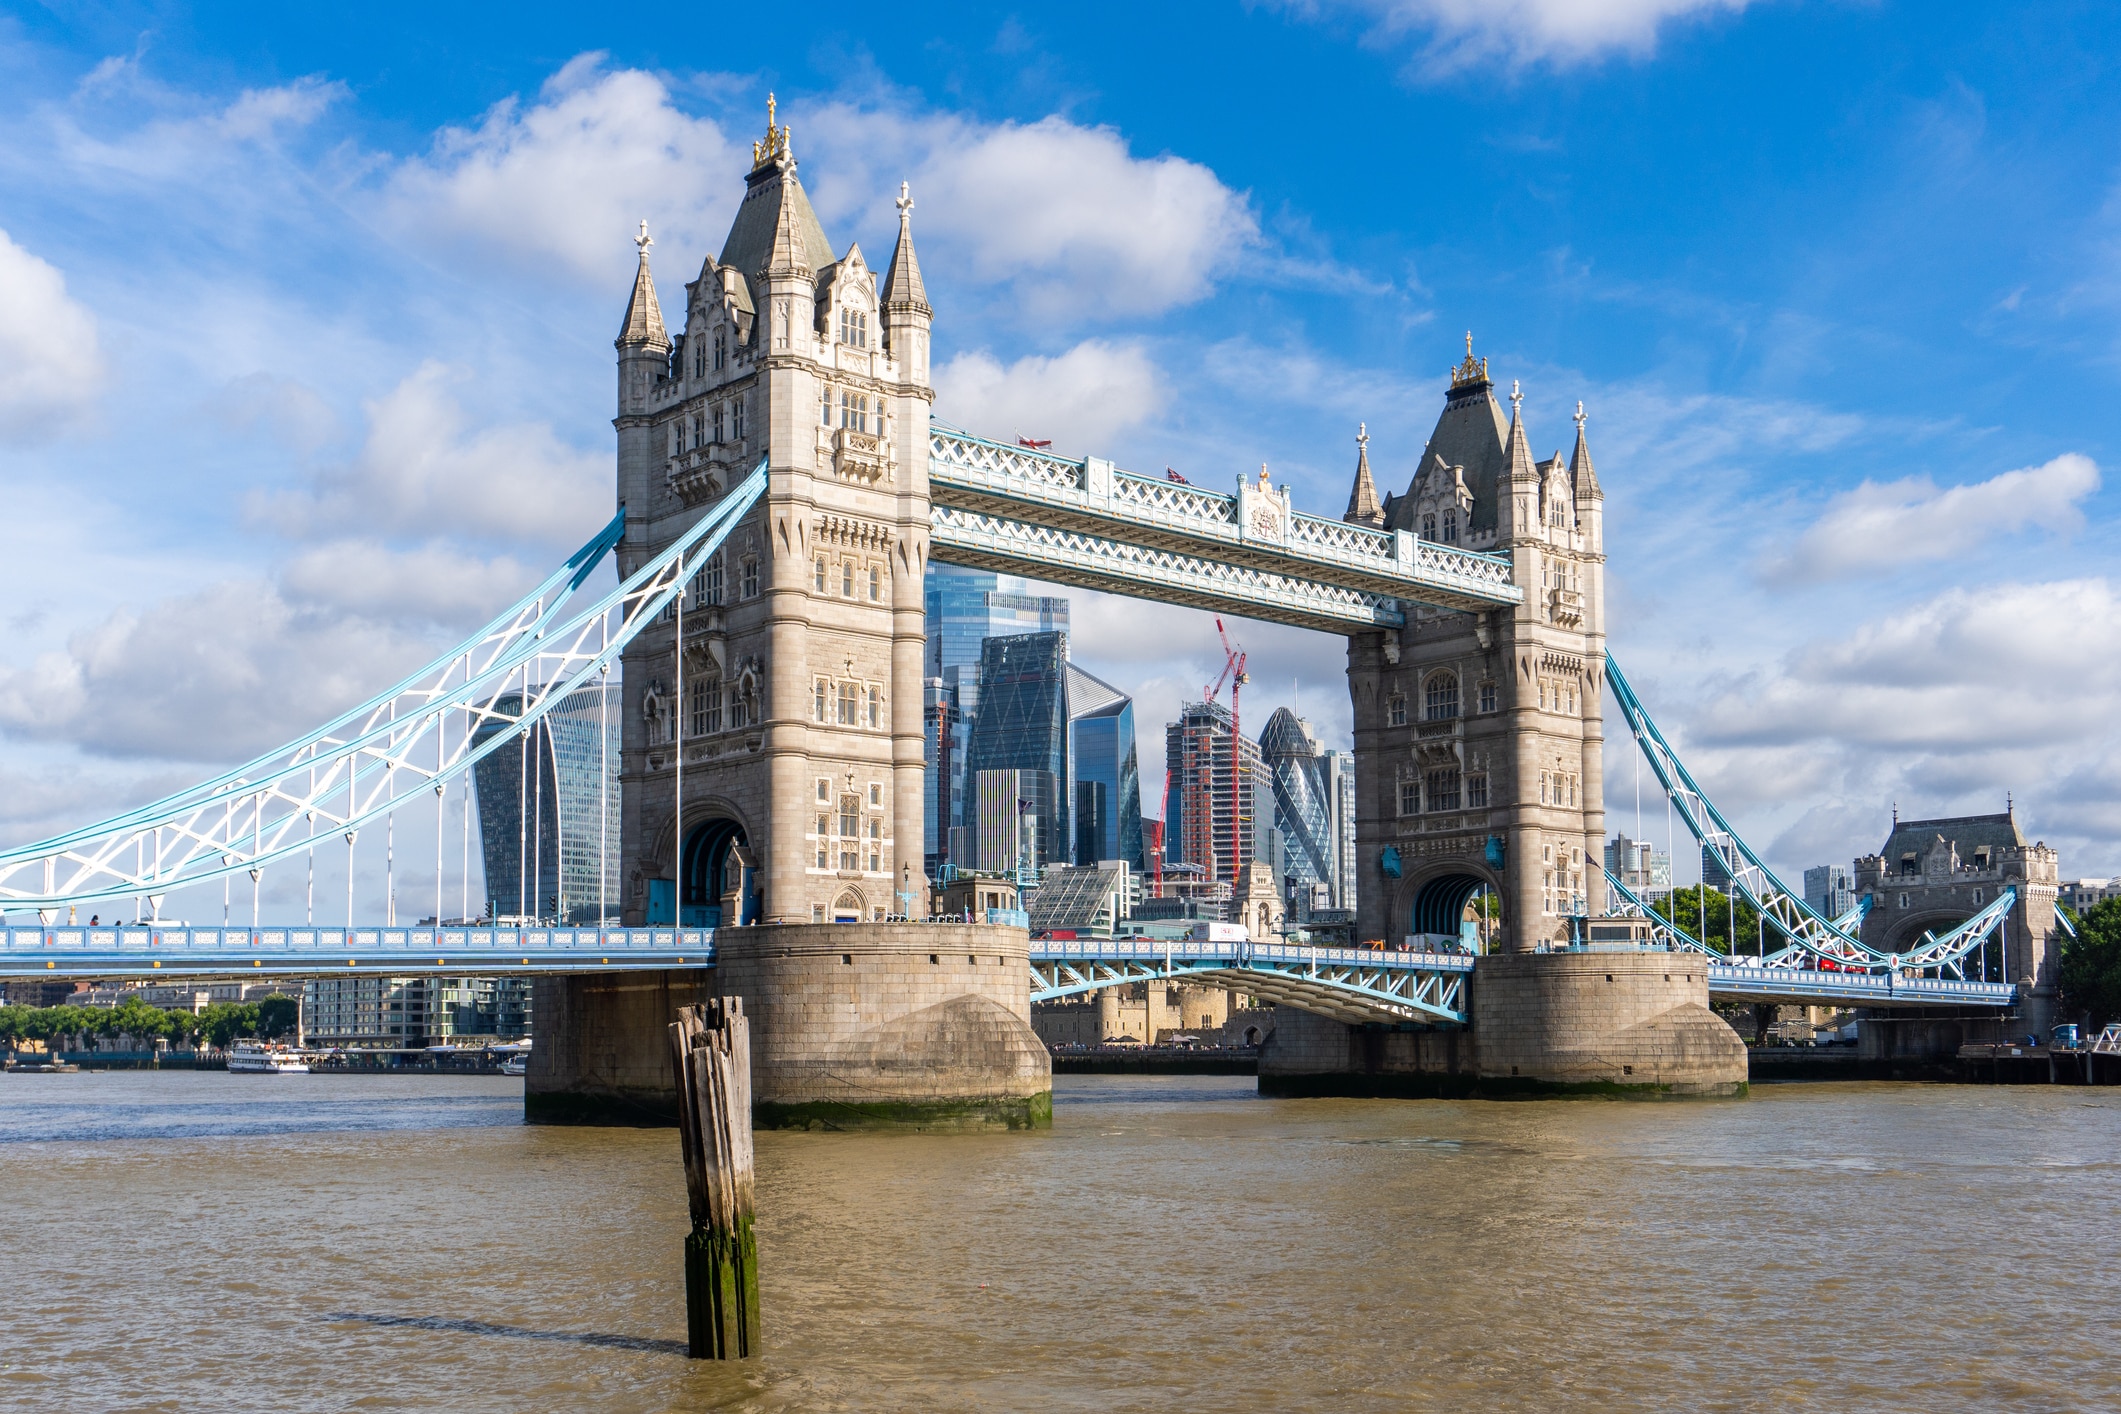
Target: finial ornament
1516 397
1472 370
1579 417
774 146
1362 435
643 240
905 200
1262 473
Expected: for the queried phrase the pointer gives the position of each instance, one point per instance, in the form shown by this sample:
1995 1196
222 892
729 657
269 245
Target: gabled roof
1965 832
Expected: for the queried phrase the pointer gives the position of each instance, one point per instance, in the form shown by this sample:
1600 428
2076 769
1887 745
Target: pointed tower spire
902 282
1580 470
644 317
789 253
1363 505
1517 453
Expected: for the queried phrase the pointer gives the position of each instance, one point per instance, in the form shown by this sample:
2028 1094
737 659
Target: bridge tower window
876 794
1476 792
751 578
1440 697
721 347
1396 711
818 711
876 707
824 841
876 584
717 422
1428 527
1450 527
824 406
854 327
850 833
876 846
847 579
1487 697
849 705
854 412
1443 789
1410 797
820 574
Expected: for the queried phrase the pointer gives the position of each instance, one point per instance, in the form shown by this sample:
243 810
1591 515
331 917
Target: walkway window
1441 697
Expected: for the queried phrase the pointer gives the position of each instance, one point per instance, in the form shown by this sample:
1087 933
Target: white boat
257 1058
518 1064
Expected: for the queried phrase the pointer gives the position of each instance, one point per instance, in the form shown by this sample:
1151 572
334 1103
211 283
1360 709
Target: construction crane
1234 674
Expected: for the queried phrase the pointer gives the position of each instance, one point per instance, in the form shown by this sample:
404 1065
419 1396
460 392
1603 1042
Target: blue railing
80 949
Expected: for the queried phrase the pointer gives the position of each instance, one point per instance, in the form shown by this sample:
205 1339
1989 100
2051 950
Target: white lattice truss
1090 524
395 748
1346 984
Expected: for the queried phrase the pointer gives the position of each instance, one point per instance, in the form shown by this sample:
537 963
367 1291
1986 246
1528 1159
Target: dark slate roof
1966 832
750 242
1470 433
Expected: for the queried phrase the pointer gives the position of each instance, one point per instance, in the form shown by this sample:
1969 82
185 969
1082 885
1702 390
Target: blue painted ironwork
1809 936
392 749
1348 984
315 952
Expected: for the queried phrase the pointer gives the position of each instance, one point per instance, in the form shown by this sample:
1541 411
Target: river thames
204 1241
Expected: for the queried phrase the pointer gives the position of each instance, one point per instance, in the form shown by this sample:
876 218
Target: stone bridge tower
1479 737
787 725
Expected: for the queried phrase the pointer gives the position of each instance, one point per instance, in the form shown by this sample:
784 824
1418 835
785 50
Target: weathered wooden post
711 1047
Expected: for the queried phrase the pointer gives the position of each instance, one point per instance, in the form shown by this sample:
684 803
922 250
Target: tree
223 1022
134 1017
2090 972
277 1016
1706 914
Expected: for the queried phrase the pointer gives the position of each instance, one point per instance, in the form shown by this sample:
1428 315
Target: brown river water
210 1242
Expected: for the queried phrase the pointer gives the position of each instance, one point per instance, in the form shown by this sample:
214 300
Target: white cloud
423 471
1458 34
1080 400
1066 216
1881 525
433 584
565 179
50 365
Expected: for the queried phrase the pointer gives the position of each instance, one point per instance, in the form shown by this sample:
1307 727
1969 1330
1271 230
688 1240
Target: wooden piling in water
711 1050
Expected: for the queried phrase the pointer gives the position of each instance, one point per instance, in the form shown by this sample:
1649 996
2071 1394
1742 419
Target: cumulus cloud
1458 34
423 470
50 365
1080 400
1942 707
1065 215
201 149
564 179
1881 525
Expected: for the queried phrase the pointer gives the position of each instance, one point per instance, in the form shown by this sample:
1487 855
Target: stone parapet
602 1054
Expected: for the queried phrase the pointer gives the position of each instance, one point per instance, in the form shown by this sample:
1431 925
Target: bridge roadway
1347 984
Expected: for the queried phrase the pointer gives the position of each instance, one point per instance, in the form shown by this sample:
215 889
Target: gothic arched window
1428 527
1440 697
1450 527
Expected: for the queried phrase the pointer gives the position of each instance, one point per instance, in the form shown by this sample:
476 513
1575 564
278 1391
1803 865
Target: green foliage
2090 973
223 1022
277 1016
1706 913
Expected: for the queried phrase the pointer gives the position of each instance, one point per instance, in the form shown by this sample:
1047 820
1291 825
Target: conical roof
902 282
1470 433
1516 452
1363 505
643 324
1580 470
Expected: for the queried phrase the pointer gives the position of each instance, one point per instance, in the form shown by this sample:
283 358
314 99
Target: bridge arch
712 869
1438 902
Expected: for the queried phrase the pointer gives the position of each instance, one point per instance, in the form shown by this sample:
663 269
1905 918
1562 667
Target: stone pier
1630 1024
853 1026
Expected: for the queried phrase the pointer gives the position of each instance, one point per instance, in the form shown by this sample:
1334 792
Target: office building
1830 889
1212 799
552 794
1647 872
1312 847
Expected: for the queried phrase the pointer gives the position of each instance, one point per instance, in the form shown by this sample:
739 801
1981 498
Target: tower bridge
783 489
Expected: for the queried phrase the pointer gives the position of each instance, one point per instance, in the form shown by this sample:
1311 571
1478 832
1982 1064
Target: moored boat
258 1058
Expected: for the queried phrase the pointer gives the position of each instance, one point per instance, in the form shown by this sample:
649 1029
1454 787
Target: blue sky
305 329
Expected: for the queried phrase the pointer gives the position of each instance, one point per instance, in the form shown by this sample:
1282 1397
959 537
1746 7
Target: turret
1590 499
644 357
1519 490
907 315
1363 505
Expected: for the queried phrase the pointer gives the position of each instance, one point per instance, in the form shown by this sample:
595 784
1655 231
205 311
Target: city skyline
1880 405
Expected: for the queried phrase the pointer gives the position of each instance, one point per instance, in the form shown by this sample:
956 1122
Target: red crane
1233 673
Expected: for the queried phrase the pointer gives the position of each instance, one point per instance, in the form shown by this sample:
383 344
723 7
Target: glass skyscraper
552 794
965 608
1313 811
1107 790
